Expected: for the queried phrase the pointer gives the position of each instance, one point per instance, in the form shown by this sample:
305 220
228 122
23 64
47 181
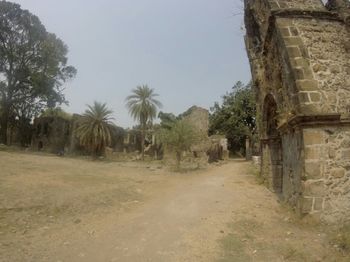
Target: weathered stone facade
299 52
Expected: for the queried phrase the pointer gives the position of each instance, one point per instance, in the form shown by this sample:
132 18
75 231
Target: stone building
51 134
299 51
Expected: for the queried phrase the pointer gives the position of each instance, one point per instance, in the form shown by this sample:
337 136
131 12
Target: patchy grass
255 171
290 253
340 239
233 249
236 245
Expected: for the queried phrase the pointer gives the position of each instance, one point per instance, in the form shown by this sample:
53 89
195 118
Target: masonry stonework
299 51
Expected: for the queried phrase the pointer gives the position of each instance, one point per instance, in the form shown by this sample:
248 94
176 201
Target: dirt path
220 214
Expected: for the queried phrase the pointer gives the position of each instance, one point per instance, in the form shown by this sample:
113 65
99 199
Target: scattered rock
77 221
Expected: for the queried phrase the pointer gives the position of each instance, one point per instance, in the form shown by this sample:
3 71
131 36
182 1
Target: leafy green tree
167 120
94 128
142 105
235 117
56 112
179 138
33 65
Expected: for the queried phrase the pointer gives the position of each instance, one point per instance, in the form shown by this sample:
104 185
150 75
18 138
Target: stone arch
273 143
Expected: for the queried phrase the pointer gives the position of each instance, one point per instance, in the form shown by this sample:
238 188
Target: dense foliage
235 117
94 130
33 67
143 106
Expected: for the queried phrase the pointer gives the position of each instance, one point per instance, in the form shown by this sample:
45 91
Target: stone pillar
313 186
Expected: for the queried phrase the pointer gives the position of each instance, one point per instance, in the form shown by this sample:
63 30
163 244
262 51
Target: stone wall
327 172
300 60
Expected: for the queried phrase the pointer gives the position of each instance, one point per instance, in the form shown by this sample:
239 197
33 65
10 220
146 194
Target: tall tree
33 64
235 117
143 105
94 129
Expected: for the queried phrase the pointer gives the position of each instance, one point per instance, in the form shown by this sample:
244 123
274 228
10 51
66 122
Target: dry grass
39 191
340 238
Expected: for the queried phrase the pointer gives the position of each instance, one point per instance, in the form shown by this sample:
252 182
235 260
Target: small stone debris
222 231
77 221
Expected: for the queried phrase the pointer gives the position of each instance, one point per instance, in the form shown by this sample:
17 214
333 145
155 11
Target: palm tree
142 107
94 128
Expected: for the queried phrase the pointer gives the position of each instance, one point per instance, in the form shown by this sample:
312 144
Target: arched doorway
274 144
40 145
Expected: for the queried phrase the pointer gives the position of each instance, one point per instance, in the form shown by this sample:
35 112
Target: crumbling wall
51 134
198 117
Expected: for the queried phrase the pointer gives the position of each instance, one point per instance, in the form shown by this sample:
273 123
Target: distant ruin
299 51
57 134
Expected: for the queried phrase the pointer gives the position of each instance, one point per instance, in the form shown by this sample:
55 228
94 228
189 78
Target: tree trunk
143 143
4 126
178 159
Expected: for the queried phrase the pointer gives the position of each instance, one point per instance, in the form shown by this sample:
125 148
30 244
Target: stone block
307 85
338 172
304 97
284 22
314 188
299 73
301 62
308 73
318 204
313 137
313 153
285 31
315 97
293 51
313 170
293 41
309 108
306 204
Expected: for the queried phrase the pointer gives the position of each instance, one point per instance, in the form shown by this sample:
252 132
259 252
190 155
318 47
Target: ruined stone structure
56 134
51 134
198 117
299 52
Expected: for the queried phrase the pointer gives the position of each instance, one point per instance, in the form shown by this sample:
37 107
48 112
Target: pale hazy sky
190 51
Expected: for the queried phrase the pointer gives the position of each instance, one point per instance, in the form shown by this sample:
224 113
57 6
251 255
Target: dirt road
218 214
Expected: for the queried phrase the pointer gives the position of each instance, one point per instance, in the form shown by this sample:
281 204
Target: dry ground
61 209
